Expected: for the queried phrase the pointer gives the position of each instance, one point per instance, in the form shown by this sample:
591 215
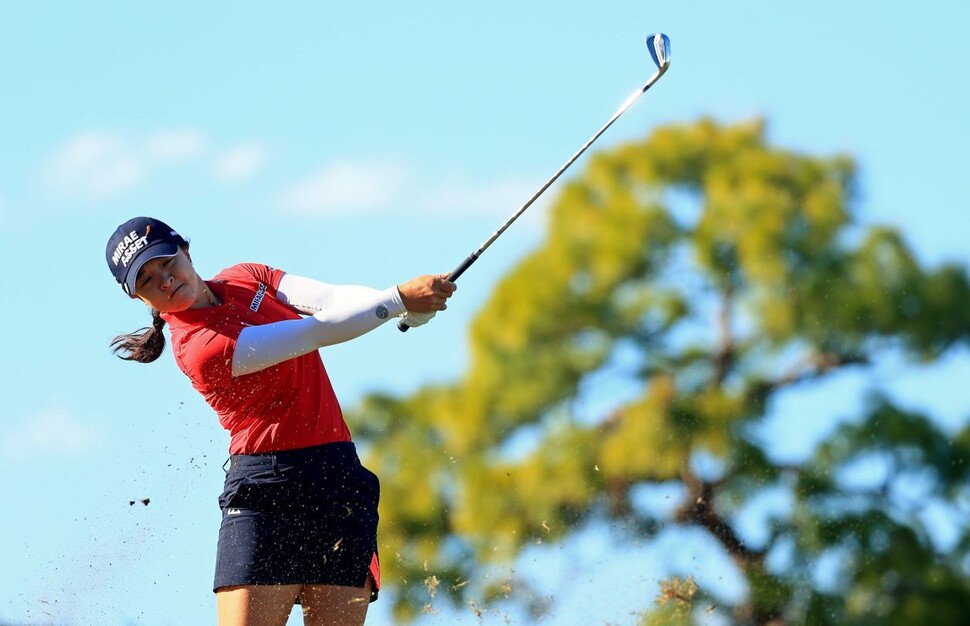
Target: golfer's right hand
427 294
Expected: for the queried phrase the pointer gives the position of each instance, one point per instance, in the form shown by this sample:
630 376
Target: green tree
708 272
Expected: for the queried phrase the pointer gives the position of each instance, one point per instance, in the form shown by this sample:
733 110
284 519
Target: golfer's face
168 284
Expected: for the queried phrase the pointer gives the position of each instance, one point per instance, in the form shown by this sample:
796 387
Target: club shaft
458 271
470 259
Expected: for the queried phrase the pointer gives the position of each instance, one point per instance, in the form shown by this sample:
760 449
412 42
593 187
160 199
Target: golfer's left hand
412 319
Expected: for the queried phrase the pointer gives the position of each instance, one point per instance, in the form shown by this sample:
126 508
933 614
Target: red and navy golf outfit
298 507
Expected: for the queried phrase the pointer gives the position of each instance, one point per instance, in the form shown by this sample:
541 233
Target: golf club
659 46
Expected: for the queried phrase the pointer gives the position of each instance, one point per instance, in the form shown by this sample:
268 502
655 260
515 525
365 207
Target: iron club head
659 46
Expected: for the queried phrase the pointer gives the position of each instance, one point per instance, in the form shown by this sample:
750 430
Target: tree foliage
703 272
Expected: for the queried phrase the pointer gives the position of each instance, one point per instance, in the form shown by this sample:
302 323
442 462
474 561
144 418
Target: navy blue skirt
306 516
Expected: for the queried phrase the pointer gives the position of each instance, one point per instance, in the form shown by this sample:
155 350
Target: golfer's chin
181 298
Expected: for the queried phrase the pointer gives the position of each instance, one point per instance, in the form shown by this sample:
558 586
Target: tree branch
816 366
699 509
724 358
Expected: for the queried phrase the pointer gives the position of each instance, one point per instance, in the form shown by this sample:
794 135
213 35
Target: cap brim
154 251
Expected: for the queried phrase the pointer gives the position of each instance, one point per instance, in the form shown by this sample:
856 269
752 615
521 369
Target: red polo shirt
289 405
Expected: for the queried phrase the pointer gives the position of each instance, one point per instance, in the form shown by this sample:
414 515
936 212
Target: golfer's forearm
310 296
259 347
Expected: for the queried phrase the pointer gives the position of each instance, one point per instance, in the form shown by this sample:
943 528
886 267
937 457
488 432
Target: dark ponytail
144 345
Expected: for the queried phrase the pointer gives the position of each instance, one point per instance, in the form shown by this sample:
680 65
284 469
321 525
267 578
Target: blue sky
367 144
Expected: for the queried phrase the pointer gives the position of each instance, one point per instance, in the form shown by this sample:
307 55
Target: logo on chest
258 298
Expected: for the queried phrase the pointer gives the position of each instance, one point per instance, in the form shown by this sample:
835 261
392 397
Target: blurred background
713 377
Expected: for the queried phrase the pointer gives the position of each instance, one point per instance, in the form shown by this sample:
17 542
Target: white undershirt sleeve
336 313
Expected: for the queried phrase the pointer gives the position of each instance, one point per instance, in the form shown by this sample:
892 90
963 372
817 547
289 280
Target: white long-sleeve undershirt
335 313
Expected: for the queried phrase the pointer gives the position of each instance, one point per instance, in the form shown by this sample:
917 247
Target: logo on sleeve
258 298
381 312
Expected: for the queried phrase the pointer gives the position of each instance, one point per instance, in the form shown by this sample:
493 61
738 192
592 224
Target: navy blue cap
136 242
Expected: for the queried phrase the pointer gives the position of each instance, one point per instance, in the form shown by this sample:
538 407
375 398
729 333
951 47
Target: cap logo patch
125 250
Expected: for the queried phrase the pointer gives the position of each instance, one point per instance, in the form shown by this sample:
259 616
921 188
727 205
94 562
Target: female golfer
299 511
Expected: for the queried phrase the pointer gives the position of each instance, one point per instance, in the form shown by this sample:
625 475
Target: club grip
455 273
458 271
